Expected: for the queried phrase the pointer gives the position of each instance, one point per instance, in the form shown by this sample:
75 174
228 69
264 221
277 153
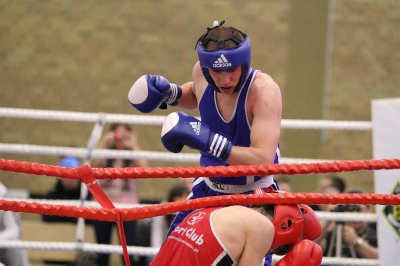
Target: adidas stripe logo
222 62
174 93
218 145
196 127
259 191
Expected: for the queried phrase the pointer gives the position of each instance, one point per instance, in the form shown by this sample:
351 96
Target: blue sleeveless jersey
237 130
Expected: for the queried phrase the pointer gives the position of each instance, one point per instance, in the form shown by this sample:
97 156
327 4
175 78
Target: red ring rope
198 171
136 213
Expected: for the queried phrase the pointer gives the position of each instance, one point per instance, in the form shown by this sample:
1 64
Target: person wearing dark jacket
64 189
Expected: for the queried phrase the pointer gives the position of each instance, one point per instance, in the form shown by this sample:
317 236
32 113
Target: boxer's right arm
150 92
180 129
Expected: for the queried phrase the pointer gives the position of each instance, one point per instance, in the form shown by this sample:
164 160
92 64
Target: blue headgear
70 162
223 59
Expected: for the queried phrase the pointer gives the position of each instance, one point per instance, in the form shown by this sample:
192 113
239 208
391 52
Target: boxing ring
105 210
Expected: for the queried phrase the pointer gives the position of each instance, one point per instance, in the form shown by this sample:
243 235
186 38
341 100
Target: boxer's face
227 80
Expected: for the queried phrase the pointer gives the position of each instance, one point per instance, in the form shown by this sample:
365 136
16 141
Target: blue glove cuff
219 146
173 94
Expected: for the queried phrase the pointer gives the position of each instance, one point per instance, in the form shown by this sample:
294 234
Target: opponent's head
293 223
312 227
224 48
288 221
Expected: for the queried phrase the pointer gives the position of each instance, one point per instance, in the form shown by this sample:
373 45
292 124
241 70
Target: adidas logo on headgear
222 62
196 127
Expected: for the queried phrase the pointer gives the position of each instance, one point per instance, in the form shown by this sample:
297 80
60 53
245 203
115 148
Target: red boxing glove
304 252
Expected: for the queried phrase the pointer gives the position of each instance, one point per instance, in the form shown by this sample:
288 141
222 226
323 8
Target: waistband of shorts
238 189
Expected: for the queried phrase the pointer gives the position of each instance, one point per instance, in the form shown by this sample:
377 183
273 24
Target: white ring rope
348 262
347 216
159 120
144 251
80 116
83 247
99 153
87 204
325 124
104 153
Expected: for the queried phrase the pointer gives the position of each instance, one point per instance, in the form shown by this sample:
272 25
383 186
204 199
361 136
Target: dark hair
177 191
115 125
338 182
110 161
267 209
85 259
223 38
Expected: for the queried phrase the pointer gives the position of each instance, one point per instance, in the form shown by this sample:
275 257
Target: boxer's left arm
193 90
188 100
264 108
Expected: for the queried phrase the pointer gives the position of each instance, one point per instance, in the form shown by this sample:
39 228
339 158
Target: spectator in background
359 238
119 137
10 229
64 189
85 259
329 181
152 232
177 193
188 182
329 184
284 183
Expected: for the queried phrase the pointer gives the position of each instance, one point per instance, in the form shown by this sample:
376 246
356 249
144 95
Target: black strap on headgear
221 42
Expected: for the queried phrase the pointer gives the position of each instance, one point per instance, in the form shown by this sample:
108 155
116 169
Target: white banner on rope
386 145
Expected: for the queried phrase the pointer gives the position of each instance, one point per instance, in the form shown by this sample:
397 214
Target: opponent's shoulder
249 223
234 209
242 223
244 214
